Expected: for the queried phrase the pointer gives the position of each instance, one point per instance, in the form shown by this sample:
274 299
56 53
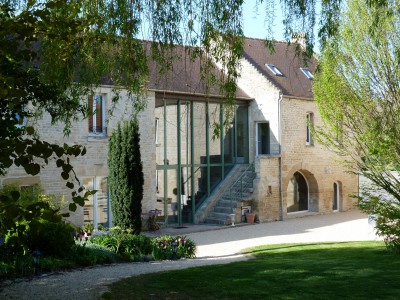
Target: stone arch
313 191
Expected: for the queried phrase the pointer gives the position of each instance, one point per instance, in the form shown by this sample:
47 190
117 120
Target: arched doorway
297 194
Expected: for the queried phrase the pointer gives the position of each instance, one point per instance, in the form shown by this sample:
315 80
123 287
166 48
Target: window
310 122
97 115
262 138
274 70
308 73
336 196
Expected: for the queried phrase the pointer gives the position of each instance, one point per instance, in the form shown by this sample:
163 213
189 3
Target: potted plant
250 217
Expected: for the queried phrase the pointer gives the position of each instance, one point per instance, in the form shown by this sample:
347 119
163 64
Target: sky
254 21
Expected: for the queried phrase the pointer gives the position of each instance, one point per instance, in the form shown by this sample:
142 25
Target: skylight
274 70
307 73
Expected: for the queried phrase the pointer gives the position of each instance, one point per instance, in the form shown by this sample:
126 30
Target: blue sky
254 21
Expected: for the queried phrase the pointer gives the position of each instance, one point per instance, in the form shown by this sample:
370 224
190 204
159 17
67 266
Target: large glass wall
191 158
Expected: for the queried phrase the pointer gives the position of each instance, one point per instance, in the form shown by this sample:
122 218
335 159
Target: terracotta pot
250 217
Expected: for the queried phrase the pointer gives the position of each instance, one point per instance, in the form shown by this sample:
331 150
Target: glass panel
215 176
201 179
172 198
102 201
159 115
215 141
263 138
185 134
88 212
172 134
229 142
242 134
199 133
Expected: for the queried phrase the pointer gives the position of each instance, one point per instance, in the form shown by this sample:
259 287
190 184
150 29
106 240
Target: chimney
299 38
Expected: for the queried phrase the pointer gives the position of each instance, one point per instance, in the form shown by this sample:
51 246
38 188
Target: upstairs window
262 134
97 115
308 73
274 70
309 124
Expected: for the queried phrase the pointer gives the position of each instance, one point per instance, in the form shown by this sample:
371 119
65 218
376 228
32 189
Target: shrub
163 247
131 247
54 238
387 219
126 175
88 254
23 217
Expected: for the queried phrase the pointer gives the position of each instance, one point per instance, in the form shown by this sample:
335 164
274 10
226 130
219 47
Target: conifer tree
126 176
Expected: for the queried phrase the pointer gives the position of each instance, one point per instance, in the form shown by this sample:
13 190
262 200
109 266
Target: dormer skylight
307 73
274 70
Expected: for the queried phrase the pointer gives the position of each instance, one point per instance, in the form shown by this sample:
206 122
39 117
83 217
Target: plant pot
250 217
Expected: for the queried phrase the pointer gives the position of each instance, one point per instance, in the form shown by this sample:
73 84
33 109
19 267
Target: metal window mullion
208 150
179 171
165 169
221 121
235 134
193 196
95 203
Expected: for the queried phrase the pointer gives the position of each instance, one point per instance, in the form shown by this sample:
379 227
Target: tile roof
184 76
293 82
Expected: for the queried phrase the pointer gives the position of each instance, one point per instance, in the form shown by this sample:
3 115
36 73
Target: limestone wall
94 163
318 165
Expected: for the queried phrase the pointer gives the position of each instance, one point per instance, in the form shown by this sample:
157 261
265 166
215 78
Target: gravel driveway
218 246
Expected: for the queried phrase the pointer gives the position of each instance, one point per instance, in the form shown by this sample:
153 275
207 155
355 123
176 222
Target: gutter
280 156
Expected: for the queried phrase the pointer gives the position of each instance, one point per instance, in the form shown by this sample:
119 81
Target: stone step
223 209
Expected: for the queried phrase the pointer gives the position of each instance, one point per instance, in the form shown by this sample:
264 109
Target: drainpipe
280 156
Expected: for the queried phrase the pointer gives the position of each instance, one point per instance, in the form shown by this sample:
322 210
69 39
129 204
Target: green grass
355 270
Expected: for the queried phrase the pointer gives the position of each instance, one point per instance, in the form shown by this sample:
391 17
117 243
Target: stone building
193 175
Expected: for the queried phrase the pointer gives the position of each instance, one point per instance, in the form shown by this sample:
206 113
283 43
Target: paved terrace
216 245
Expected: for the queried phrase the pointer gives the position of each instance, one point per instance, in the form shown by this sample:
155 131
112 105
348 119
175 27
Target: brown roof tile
184 76
293 82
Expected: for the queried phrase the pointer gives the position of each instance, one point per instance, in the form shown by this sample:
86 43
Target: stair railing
233 194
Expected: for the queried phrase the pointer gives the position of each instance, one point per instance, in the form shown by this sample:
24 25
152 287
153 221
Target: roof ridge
261 39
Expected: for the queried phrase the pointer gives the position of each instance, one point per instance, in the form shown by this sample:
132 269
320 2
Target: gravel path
214 247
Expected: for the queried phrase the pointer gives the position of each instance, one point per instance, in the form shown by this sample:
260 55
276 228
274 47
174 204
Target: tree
126 176
358 94
53 53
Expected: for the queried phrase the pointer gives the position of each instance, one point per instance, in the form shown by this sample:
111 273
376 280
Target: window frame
308 73
309 123
93 116
258 141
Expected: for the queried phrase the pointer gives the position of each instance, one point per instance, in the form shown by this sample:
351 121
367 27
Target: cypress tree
126 176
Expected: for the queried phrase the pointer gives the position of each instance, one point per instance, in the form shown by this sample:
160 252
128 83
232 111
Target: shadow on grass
357 270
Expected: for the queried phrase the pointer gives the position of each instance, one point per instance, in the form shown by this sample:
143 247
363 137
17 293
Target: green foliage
88 254
126 176
28 221
165 246
53 238
386 214
358 95
131 247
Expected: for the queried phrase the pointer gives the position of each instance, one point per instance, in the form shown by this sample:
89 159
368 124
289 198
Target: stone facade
289 152
289 168
94 163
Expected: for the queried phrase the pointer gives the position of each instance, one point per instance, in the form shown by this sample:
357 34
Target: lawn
355 270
